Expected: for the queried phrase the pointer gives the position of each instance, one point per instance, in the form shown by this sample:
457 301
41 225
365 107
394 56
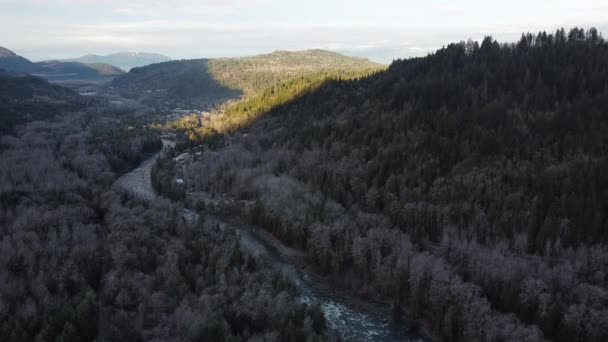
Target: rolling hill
205 82
10 61
252 74
26 98
187 83
123 60
56 70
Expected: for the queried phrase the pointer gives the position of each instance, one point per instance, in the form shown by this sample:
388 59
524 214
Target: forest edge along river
351 321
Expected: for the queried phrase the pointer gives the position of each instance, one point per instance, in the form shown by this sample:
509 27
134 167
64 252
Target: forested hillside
56 71
80 261
26 98
235 115
468 185
211 82
185 83
254 74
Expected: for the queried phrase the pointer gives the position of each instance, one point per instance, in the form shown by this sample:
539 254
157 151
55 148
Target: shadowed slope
55 70
209 82
25 98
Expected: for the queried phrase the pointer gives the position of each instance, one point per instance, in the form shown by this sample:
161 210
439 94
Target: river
342 314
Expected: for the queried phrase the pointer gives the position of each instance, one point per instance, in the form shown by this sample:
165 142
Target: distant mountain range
10 61
56 70
123 60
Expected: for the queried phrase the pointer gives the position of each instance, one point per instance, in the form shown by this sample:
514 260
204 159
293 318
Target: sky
382 30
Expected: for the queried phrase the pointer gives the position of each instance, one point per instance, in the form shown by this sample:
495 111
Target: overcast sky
380 29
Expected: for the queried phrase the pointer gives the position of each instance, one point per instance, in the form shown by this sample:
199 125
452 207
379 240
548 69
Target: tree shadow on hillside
276 100
185 83
197 82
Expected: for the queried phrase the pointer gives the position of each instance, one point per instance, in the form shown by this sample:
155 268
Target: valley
308 196
352 318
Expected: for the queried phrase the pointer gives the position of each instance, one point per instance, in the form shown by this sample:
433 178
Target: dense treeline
123 138
241 114
236 115
467 184
81 262
518 131
52 252
176 281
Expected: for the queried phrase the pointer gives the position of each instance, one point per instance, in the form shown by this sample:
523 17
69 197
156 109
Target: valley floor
353 318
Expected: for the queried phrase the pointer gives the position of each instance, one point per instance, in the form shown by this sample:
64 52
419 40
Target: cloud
126 11
194 39
450 9
197 39
211 28
129 4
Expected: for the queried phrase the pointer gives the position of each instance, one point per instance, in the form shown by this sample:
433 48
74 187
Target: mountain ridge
229 78
4 52
24 98
125 60
55 69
